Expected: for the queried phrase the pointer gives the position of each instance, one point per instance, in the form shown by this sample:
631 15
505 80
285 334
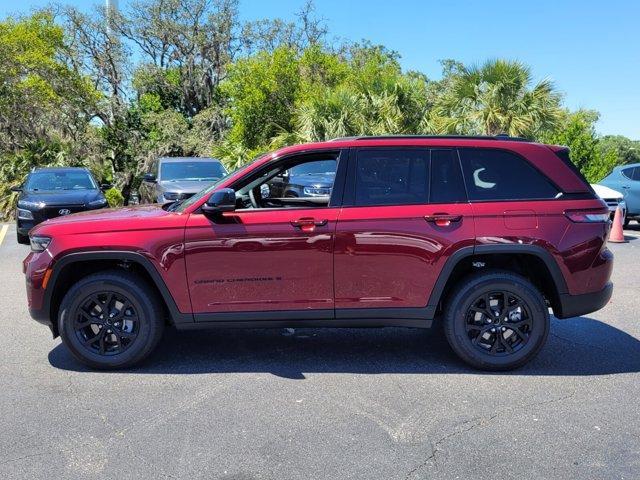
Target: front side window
392 177
52 180
301 182
500 175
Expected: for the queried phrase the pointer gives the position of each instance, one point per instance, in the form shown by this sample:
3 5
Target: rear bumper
577 305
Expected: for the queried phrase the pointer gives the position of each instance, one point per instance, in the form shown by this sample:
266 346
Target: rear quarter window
492 174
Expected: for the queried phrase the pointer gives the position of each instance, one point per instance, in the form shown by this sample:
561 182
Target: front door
408 213
272 254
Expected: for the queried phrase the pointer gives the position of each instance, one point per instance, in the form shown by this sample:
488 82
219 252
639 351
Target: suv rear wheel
496 320
110 320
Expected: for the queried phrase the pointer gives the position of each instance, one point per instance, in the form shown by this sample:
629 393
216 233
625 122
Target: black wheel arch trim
465 252
175 315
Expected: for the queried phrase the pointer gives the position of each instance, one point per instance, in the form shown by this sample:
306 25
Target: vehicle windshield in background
182 205
327 167
44 180
203 171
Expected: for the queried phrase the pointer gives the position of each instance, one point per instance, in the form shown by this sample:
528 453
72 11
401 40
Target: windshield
52 180
325 167
181 206
199 171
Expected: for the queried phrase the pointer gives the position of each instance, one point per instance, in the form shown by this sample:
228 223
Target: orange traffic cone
617 233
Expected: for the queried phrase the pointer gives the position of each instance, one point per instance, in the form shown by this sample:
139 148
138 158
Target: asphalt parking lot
324 404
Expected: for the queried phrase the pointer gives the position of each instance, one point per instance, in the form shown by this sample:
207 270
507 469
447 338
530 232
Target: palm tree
496 97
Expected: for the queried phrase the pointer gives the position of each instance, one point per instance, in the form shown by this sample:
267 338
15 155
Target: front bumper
577 305
34 267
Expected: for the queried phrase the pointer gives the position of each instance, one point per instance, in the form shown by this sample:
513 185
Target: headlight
170 195
39 243
31 205
25 214
317 191
101 202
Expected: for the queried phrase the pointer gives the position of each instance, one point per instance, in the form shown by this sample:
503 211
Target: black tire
23 239
626 221
519 336
120 346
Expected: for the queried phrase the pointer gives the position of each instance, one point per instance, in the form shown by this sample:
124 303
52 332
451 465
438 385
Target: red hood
142 217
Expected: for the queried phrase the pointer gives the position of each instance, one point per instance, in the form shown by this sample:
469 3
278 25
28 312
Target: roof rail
501 136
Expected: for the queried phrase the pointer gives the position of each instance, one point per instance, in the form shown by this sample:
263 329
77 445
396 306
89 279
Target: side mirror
149 177
223 200
105 186
16 188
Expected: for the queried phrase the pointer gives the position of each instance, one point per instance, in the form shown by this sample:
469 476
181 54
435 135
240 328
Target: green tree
627 151
43 102
496 97
576 130
261 93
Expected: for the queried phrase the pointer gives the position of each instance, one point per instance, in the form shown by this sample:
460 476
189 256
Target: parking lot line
3 232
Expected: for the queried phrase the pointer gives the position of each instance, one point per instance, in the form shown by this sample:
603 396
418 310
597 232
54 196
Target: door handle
442 219
308 224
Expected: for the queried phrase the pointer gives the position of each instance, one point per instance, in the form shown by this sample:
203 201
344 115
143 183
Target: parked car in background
612 198
483 234
626 179
308 180
178 178
53 192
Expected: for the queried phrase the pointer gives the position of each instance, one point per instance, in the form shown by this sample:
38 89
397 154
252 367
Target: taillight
587 216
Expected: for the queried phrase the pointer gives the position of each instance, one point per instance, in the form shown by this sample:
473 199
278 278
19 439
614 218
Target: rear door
405 211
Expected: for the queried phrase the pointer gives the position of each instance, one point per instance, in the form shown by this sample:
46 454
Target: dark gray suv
178 178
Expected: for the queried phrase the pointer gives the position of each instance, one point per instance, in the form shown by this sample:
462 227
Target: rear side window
501 175
447 185
392 177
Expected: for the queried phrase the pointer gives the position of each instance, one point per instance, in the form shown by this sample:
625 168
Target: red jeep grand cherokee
483 234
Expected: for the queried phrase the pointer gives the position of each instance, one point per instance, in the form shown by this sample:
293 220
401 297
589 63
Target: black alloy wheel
498 323
106 323
496 320
111 319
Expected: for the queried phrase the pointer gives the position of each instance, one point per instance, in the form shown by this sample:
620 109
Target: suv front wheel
496 320
112 319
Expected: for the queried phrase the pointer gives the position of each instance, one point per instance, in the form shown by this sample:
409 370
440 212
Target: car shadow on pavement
577 346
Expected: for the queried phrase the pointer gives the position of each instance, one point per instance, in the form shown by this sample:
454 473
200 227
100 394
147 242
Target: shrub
114 197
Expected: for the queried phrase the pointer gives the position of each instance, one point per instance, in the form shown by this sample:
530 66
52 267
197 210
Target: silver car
178 178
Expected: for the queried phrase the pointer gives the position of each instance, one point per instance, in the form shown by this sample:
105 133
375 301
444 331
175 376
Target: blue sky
590 49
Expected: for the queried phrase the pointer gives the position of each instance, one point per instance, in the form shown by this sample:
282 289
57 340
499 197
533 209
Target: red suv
483 234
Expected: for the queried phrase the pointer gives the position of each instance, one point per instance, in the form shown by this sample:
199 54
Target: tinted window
500 175
205 171
447 185
320 167
52 180
632 173
392 177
